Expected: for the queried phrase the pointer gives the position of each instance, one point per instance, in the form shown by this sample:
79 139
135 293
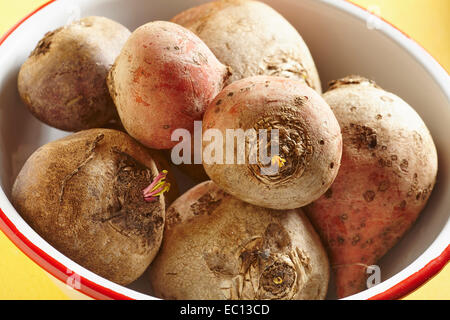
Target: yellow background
426 21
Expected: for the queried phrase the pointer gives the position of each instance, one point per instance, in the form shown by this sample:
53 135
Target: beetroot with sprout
98 197
156 188
309 140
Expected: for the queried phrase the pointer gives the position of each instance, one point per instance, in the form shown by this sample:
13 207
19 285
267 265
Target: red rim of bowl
96 291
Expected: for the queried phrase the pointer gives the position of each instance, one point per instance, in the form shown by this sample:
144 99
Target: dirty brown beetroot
309 142
63 82
84 195
388 170
252 39
218 247
163 79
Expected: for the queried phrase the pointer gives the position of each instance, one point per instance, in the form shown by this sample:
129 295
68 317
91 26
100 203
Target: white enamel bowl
343 39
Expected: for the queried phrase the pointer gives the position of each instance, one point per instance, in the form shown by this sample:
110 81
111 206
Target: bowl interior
340 43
